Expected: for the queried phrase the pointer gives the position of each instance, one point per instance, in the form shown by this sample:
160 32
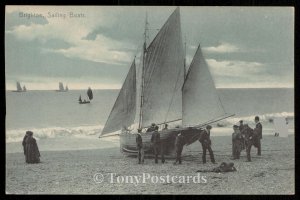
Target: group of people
243 137
30 148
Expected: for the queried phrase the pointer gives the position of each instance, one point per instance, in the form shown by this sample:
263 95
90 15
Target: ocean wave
17 135
265 119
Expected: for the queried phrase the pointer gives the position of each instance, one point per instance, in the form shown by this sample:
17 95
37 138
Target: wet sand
72 172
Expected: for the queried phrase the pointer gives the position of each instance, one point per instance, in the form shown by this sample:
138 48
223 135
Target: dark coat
24 144
32 153
179 142
139 141
258 130
205 138
155 138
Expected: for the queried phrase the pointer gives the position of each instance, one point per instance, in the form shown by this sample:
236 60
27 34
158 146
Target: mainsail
90 93
200 102
164 74
124 109
19 88
61 86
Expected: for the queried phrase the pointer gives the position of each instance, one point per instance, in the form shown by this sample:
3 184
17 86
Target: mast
143 65
184 66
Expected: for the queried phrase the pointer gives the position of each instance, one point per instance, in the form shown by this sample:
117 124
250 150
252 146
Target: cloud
235 67
222 48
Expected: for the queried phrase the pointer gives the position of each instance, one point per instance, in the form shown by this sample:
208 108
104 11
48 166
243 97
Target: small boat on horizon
90 97
19 88
61 88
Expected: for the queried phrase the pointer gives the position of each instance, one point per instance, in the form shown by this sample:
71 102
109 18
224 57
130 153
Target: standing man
179 142
241 127
258 134
206 144
156 144
236 142
139 145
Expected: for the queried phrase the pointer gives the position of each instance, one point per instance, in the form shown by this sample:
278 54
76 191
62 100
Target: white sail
200 101
61 86
163 74
124 109
19 88
281 126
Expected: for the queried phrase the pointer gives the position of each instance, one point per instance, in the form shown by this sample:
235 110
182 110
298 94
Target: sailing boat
19 88
66 89
167 95
61 87
90 97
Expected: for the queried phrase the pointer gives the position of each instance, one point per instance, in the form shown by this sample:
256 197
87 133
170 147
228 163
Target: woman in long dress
31 150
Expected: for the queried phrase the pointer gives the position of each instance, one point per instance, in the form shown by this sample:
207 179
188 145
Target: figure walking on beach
24 142
139 144
32 153
179 142
237 142
258 134
156 144
206 144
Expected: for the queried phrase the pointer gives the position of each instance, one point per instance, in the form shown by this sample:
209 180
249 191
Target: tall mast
184 65
142 85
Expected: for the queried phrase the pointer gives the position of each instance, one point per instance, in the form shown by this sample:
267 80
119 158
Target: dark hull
128 141
84 102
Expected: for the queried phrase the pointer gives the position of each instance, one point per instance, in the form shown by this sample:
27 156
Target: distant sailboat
90 97
61 87
167 94
66 89
19 88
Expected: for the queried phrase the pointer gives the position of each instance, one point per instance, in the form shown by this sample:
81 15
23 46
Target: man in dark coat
32 153
156 144
24 141
258 135
179 142
151 128
206 144
237 142
139 145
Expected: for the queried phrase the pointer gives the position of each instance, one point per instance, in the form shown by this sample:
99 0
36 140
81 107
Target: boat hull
167 137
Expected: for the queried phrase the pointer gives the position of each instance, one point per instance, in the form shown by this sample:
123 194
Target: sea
59 122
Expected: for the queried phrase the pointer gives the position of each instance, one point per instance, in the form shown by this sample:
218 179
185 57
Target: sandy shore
72 172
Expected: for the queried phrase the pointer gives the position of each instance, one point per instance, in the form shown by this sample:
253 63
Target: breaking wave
17 135
265 119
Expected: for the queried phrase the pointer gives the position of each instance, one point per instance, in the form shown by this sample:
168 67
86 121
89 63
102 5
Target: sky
82 46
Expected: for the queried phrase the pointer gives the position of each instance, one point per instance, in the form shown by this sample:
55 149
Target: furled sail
163 74
90 93
124 109
200 101
61 86
19 88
